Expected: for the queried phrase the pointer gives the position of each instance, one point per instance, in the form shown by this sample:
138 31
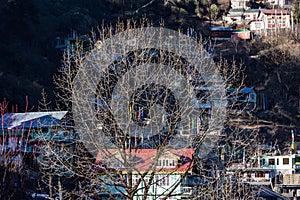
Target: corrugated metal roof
275 11
236 10
31 119
144 159
247 90
251 10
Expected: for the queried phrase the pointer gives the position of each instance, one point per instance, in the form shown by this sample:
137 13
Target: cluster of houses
254 21
276 173
175 170
23 136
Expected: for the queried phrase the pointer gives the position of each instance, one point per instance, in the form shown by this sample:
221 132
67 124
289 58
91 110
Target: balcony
186 190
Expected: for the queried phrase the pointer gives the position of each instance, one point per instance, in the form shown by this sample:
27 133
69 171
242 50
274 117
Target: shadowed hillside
29 28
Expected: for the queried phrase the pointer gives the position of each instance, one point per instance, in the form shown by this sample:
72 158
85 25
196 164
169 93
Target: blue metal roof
251 10
236 10
204 105
247 90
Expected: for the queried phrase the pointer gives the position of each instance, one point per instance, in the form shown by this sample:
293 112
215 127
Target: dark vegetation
29 28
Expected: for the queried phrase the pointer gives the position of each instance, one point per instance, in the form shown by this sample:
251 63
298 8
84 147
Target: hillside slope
29 28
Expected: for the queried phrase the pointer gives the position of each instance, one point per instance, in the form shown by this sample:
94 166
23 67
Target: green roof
242 30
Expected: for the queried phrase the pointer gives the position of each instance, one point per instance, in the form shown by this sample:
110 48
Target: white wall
278 165
156 190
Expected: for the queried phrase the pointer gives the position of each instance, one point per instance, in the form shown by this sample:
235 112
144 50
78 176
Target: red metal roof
145 158
275 12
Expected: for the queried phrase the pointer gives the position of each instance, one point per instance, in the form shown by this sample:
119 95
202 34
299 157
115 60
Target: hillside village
257 155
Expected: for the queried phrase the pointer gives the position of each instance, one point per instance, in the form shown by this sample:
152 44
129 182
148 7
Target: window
162 180
259 175
135 179
263 161
271 21
277 161
271 161
159 163
286 161
147 180
166 163
172 163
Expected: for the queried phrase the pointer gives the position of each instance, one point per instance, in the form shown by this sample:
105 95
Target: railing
256 179
186 190
291 179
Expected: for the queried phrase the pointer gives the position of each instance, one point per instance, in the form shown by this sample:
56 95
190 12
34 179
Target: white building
257 26
279 175
279 3
168 169
275 19
281 164
240 15
243 4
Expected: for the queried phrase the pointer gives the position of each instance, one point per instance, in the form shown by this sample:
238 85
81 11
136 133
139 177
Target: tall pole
209 4
258 156
292 21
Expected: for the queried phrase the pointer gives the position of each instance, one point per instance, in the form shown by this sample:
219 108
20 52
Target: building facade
275 19
164 173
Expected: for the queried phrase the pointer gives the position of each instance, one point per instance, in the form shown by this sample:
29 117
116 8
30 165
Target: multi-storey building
164 172
275 19
23 134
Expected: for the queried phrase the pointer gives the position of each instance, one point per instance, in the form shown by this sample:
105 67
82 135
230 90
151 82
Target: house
25 139
24 134
277 3
275 19
241 16
264 176
221 33
241 34
257 26
242 97
274 175
251 14
169 168
240 4
281 164
273 164
73 42
289 185
252 175
286 173
234 16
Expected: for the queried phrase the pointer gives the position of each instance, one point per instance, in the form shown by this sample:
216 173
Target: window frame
284 161
271 161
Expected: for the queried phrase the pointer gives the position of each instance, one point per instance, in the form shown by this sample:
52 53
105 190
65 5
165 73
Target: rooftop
144 159
275 12
31 119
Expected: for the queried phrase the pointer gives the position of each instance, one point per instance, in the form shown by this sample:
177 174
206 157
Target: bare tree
13 144
150 108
